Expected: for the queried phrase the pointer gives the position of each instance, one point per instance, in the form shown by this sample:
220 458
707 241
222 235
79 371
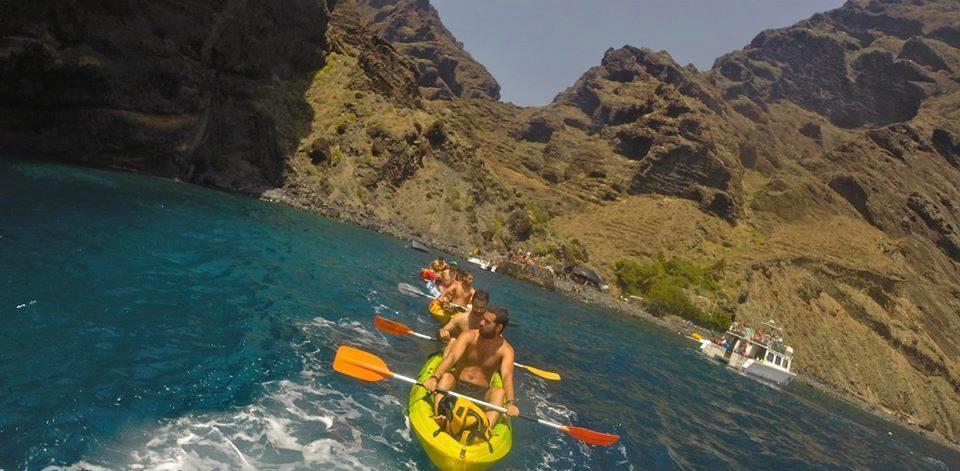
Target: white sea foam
304 423
555 452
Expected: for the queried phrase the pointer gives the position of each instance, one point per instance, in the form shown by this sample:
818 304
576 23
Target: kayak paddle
369 367
396 328
411 290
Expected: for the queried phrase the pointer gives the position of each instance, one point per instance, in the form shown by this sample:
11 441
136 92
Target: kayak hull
445 452
439 314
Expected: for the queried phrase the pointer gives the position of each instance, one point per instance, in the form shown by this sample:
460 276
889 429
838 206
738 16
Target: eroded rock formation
445 69
820 163
208 91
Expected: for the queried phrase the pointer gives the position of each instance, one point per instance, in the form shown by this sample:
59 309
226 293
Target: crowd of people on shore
533 264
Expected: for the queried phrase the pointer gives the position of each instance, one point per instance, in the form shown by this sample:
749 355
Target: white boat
483 264
760 354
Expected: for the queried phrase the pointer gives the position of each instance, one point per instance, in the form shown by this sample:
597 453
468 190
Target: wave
301 423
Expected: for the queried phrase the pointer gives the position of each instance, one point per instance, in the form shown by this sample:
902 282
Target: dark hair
503 316
481 295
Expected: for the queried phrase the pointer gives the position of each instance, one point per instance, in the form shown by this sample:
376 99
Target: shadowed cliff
819 165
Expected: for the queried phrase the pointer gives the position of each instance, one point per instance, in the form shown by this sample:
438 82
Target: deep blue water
150 324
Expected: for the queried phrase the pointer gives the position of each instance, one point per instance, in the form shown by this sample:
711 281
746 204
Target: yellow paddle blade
696 336
541 373
360 364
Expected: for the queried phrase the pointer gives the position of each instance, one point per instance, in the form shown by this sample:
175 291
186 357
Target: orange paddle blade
391 327
360 364
591 437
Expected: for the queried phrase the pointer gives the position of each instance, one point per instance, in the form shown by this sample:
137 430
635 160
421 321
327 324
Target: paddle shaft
406 288
482 403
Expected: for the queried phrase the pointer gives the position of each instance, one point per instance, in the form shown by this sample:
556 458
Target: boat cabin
759 353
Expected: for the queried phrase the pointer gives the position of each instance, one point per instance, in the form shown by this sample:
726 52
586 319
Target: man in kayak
471 362
447 276
460 292
438 265
467 320
448 301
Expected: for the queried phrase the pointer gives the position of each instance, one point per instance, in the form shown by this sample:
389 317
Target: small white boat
760 354
483 264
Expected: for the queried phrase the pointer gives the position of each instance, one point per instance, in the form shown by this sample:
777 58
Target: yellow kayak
442 316
445 452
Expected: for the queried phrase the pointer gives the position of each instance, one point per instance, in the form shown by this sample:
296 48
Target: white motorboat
483 264
760 354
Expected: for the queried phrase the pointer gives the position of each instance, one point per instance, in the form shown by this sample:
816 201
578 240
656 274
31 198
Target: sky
537 48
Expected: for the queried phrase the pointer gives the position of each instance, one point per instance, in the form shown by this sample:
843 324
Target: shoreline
591 296
587 295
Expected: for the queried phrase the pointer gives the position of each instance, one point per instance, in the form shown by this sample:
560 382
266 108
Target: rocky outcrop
386 71
936 219
652 111
923 52
850 65
201 90
445 69
820 163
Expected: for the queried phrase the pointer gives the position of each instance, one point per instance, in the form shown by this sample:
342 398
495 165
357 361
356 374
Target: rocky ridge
211 92
445 69
820 162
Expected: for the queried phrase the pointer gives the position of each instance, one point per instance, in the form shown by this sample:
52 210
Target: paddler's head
493 322
480 300
465 277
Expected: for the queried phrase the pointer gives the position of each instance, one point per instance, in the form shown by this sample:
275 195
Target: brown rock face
863 64
662 116
203 90
445 69
820 164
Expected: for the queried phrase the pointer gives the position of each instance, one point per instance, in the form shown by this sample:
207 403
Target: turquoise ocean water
146 324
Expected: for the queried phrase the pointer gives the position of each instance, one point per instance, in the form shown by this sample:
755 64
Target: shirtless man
472 360
447 276
438 265
467 320
459 292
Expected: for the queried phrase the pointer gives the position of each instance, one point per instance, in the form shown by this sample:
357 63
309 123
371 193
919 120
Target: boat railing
776 345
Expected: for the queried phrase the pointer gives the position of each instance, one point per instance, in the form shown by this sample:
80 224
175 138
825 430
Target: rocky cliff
820 163
445 69
207 91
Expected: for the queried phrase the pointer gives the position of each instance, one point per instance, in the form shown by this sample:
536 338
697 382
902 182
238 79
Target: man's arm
447 293
453 356
446 332
506 375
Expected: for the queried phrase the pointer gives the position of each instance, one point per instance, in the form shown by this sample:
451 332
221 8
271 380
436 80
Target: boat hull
768 373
